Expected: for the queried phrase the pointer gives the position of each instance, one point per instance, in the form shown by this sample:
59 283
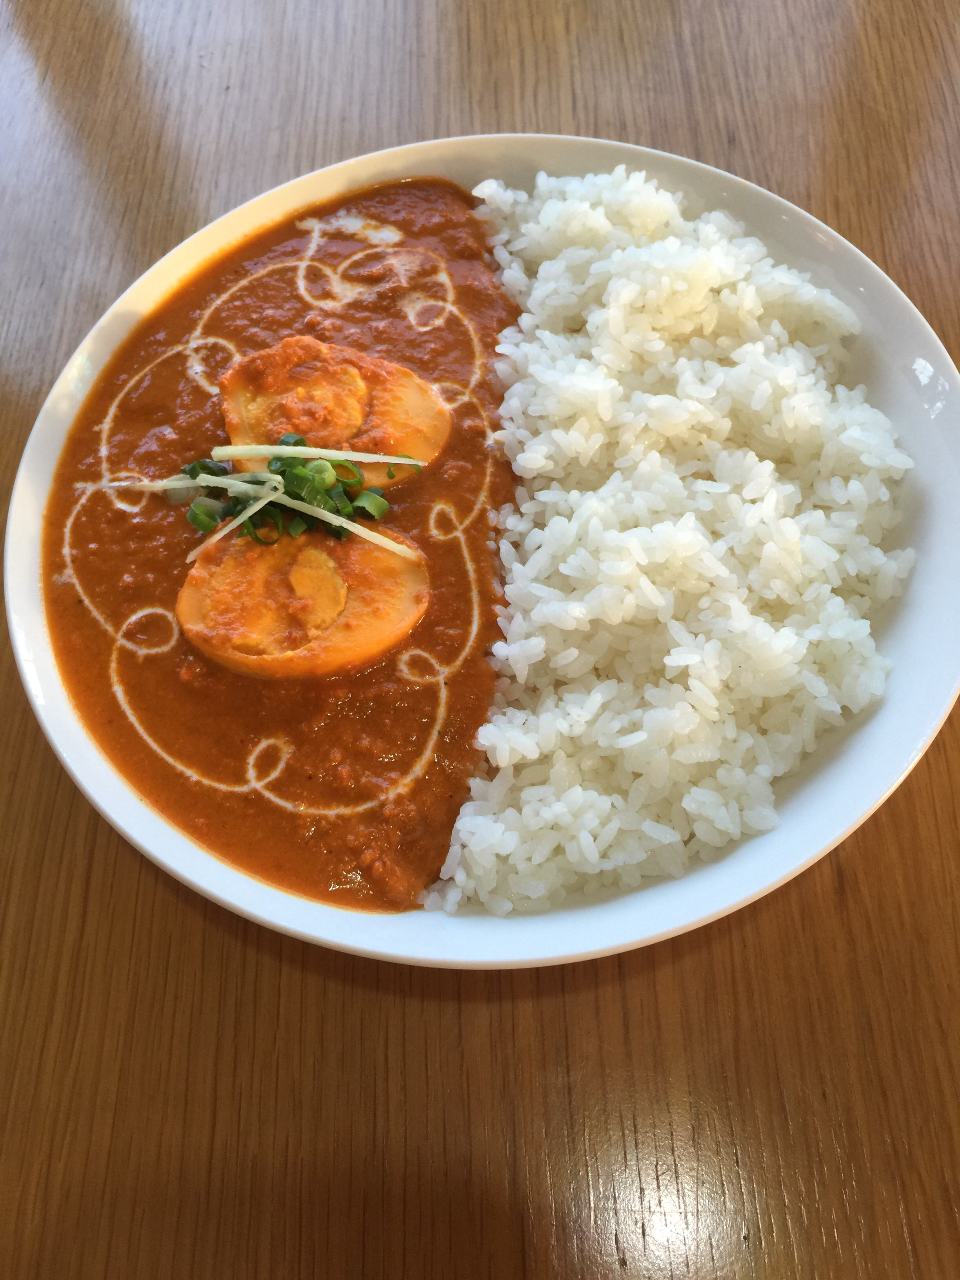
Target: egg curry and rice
348 689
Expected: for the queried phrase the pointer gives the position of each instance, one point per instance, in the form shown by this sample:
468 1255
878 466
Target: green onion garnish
205 467
371 504
249 530
347 526
324 474
354 476
205 514
324 487
343 504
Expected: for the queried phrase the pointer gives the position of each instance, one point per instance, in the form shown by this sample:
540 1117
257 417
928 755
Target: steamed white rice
697 543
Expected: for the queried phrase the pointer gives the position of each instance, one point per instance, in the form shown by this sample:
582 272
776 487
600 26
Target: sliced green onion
324 474
372 504
297 478
250 530
271 493
205 514
323 499
354 477
310 485
291 437
205 467
279 521
328 517
312 482
339 495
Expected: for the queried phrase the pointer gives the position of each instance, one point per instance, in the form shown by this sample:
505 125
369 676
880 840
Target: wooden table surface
184 1094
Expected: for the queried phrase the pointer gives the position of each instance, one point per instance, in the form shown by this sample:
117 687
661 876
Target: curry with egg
267 551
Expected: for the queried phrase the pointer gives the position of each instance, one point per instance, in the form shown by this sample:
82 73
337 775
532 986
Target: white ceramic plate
909 376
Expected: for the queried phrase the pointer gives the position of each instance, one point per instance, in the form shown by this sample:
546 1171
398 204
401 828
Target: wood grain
183 1094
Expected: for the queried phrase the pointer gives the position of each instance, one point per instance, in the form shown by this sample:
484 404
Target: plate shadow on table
313 962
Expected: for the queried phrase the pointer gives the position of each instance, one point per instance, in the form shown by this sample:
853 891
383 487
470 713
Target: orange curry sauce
344 788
